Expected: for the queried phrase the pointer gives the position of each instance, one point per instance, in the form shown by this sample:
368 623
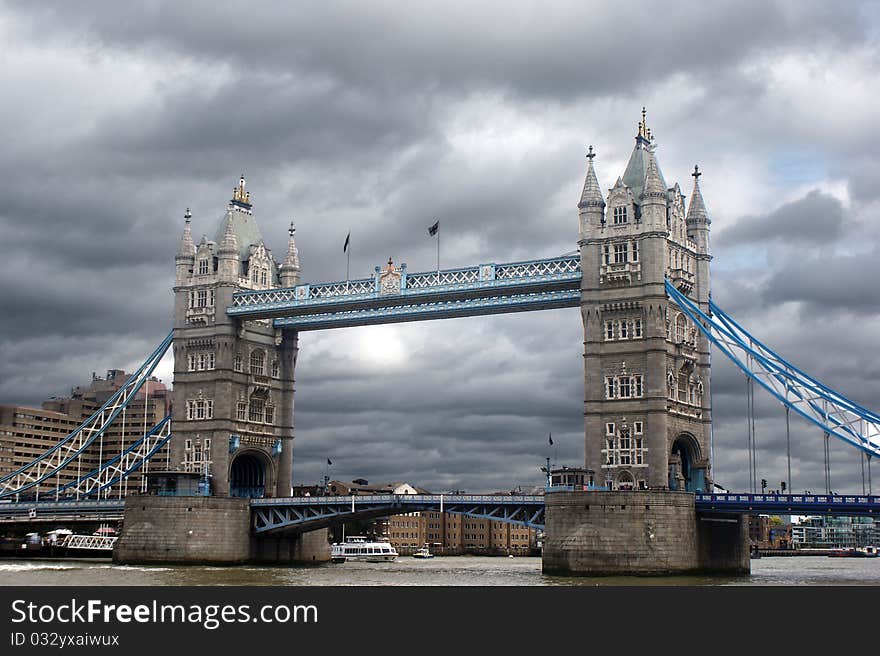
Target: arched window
680 326
258 359
625 481
684 375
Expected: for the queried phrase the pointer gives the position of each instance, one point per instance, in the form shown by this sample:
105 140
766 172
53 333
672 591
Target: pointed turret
228 263
698 221
187 246
653 197
697 213
290 268
591 208
592 194
186 256
654 187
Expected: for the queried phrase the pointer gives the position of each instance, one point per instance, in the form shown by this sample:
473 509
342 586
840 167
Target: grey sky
380 118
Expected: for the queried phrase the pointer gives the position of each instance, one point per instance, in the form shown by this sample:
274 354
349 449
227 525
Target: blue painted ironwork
844 505
73 445
812 400
507 286
301 514
122 465
425 311
91 510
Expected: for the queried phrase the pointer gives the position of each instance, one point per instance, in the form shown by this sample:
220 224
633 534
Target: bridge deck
478 290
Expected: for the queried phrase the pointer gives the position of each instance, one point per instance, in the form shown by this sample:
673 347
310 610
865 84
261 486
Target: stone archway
683 474
248 475
625 481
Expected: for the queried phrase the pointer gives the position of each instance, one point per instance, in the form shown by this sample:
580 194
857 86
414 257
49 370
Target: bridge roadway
273 516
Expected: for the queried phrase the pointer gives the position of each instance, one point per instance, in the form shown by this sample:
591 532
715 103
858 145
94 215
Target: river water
439 571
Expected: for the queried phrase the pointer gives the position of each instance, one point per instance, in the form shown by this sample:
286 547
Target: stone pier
645 532
205 531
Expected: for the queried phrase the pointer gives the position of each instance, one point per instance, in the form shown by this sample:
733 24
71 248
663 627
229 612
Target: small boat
857 552
358 547
423 552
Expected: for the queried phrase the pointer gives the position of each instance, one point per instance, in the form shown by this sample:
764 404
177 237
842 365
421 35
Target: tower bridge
641 278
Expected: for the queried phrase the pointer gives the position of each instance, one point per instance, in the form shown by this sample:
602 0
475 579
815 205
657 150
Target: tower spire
592 194
290 269
654 185
697 210
187 246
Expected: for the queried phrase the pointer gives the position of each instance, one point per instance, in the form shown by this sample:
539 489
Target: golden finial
390 267
239 193
644 132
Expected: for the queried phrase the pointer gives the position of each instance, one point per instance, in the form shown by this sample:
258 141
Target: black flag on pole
347 238
551 439
329 462
434 228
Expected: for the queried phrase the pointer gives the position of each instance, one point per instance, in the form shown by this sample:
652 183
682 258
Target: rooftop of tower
637 168
244 225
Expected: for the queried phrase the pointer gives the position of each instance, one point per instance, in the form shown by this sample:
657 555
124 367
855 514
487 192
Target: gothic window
625 389
270 414
241 411
203 267
256 410
202 298
609 428
637 328
188 445
624 329
680 325
606 249
276 369
209 408
609 451
190 409
620 253
610 388
258 358
635 251
638 427
609 330
263 278
192 361
207 443
684 383
619 215
637 386
237 362
211 299
640 451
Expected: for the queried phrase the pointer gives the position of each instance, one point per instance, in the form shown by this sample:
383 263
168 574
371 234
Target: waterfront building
826 532
452 534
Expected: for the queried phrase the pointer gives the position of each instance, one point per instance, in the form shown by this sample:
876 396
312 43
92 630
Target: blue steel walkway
300 514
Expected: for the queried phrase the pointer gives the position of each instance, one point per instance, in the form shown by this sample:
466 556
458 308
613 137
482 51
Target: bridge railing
565 269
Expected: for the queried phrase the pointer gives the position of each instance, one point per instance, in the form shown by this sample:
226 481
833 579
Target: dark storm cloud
381 119
466 46
817 218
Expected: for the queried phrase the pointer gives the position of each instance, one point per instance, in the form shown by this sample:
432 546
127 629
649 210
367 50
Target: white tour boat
357 547
423 552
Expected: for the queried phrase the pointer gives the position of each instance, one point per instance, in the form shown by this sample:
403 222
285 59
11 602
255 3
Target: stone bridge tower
233 379
647 403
